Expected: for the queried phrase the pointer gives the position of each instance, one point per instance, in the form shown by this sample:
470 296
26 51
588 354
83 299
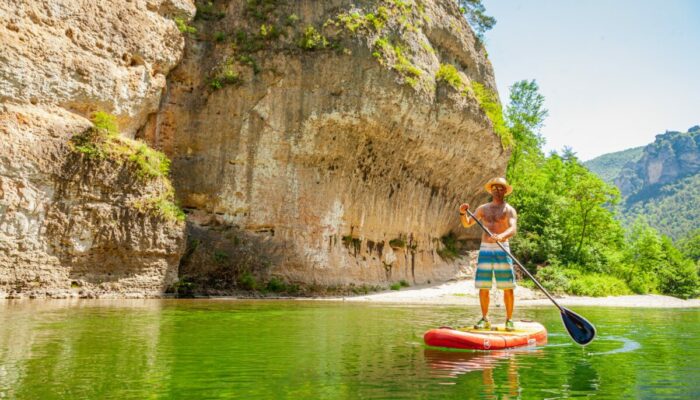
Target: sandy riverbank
463 293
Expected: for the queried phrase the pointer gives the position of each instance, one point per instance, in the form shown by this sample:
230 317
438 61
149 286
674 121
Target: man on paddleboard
500 218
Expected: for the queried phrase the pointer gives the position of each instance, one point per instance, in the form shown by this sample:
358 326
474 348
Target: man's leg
509 300
484 299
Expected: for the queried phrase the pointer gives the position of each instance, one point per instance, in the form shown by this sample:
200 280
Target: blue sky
614 73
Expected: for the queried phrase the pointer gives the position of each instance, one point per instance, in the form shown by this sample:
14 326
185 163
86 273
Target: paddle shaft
516 261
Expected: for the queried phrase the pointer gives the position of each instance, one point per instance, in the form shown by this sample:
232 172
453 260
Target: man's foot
510 327
483 324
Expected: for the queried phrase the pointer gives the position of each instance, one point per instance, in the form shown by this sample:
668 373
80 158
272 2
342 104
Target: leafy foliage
311 39
207 11
598 285
567 231
184 27
475 13
690 245
525 114
562 213
488 101
450 249
397 243
105 122
658 266
448 73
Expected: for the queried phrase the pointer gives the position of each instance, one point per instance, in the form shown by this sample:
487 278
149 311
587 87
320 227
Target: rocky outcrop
672 156
70 224
324 143
662 185
338 136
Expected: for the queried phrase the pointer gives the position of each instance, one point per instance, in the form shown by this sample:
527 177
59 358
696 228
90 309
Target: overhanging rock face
330 143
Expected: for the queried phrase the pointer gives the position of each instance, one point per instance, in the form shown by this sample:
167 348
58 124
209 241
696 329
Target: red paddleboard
526 334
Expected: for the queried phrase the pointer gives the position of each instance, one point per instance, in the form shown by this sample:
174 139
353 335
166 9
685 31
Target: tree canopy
568 233
475 13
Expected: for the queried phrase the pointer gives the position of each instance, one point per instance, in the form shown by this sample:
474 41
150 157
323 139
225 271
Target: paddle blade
579 328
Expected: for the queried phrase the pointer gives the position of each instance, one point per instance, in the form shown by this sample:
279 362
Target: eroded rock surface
322 129
68 226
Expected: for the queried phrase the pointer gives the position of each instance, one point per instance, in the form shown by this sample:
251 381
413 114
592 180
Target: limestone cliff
662 186
82 219
329 142
672 156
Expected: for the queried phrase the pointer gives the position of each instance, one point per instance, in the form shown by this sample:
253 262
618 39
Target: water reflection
290 350
45 347
501 372
452 364
583 378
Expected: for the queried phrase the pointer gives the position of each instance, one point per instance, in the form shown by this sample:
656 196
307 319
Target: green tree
567 220
475 13
645 253
658 266
679 277
587 218
564 215
525 116
690 245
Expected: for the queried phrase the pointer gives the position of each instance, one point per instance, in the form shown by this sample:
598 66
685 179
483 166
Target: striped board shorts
494 263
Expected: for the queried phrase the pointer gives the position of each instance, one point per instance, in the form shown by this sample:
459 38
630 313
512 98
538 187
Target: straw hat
498 181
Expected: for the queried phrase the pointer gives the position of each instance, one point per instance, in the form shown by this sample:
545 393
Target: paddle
578 327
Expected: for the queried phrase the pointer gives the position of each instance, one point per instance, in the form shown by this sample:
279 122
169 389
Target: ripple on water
628 345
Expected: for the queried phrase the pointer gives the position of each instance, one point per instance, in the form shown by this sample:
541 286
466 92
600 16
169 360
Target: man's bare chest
495 214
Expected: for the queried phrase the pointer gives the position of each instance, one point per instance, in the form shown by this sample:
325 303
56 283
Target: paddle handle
516 261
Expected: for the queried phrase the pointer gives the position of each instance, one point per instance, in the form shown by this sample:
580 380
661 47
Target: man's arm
464 218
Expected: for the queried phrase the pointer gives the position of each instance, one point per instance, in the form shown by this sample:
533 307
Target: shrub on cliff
311 39
102 142
488 101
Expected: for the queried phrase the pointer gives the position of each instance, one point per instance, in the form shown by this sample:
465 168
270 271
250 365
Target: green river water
231 349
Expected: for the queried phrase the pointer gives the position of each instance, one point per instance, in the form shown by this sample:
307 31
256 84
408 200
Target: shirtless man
500 218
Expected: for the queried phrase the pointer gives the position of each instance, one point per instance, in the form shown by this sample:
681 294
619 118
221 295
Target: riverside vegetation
573 233
570 234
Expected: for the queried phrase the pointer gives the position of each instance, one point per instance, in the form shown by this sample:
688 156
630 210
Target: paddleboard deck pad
526 334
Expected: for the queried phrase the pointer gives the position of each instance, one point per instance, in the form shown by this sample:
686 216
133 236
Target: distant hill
662 182
608 166
674 209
